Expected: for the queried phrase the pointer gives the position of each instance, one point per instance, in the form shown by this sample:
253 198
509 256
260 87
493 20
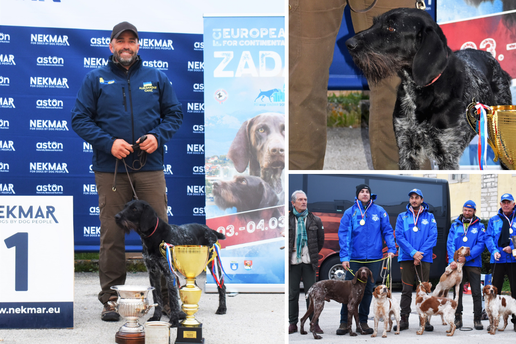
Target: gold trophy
501 126
190 261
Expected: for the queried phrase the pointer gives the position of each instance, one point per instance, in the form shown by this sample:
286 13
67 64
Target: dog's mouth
126 225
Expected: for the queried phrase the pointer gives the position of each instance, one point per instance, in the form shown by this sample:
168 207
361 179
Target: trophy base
130 338
189 334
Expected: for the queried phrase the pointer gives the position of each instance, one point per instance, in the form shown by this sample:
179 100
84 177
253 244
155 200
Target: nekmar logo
31 212
47 124
48 167
7 146
91 232
195 190
195 148
89 189
195 66
157 44
42 39
195 107
95 62
7 189
48 82
7 60
7 103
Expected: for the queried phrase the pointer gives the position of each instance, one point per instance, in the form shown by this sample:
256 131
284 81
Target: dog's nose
351 43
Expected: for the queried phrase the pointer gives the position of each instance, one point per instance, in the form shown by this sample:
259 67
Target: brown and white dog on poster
260 143
384 306
498 306
428 305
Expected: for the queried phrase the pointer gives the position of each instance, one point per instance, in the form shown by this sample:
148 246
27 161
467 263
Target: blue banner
244 84
41 70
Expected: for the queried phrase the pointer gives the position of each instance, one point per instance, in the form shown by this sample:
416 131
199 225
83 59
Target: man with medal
467 230
499 231
416 235
362 230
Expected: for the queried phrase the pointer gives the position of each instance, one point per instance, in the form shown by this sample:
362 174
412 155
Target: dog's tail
219 235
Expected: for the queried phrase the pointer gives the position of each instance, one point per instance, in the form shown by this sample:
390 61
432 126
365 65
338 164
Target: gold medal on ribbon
415 229
465 239
510 231
362 222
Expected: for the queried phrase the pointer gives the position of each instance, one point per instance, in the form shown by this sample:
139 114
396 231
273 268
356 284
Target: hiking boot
316 329
343 329
403 323
428 327
292 328
109 312
478 325
458 320
366 328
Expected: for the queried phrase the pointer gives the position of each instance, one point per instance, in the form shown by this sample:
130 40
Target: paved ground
251 318
348 149
330 317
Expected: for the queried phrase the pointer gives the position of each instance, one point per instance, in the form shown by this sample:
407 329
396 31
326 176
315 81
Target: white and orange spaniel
452 278
384 306
428 305
498 306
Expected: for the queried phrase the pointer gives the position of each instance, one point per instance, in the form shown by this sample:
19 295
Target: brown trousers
150 187
314 26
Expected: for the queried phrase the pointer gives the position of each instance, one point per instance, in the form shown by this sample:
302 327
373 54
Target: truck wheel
332 269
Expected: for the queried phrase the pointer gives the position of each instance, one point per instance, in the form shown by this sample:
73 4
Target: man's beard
125 62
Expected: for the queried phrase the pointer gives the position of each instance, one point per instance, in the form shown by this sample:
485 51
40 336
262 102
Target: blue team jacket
115 103
476 241
365 242
494 228
423 240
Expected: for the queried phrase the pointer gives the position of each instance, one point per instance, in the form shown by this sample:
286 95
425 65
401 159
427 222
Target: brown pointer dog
346 292
142 218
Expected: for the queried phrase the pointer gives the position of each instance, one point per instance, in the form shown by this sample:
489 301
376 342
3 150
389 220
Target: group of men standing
365 226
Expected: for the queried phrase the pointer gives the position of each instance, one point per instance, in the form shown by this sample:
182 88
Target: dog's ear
456 256
370 274
389 295
268 196
148 217
355 279
431 58
239 149
375 292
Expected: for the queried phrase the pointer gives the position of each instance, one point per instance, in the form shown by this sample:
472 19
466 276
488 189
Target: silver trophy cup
132 304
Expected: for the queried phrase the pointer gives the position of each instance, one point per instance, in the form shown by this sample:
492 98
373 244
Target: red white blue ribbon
482 134
175 276
219 278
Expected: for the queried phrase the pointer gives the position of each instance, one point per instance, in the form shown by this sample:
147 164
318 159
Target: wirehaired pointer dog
428 305
437 84
260 143
384 306
346 292
139 216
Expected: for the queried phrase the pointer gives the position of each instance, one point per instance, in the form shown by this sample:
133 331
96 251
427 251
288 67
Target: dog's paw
181 315
221 310
173 322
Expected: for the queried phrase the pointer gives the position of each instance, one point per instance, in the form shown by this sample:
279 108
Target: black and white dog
142 218
436 84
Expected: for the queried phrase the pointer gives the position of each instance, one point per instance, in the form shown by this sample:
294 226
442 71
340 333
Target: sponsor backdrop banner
36 288
244 84
41 70
488 26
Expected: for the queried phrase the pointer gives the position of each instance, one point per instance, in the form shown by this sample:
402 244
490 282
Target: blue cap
470 204
507 197
416 191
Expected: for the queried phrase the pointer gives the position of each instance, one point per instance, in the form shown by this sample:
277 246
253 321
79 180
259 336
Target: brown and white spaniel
428 305
384 306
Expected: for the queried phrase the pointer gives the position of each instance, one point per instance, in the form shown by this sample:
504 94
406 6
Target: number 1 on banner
21 243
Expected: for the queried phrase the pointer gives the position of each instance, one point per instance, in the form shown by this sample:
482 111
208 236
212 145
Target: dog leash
351 272
386 272
142 160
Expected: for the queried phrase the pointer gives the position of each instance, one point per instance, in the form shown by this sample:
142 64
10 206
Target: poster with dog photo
244 90
483 25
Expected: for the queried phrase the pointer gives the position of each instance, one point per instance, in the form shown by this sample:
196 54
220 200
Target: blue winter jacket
476 241
117 103
411 242
494 228
365 242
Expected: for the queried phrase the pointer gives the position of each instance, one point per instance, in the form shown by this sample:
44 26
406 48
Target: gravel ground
251 318
348 149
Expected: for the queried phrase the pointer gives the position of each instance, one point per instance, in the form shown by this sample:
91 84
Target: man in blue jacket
416 235
467 230
116 106
362 230
500 229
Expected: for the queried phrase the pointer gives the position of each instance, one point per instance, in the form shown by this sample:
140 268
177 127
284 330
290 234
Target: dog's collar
154 231
435 79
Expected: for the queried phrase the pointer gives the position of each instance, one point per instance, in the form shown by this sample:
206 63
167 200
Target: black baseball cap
121 27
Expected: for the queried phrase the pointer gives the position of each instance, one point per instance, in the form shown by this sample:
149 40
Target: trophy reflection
132 304
190 261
